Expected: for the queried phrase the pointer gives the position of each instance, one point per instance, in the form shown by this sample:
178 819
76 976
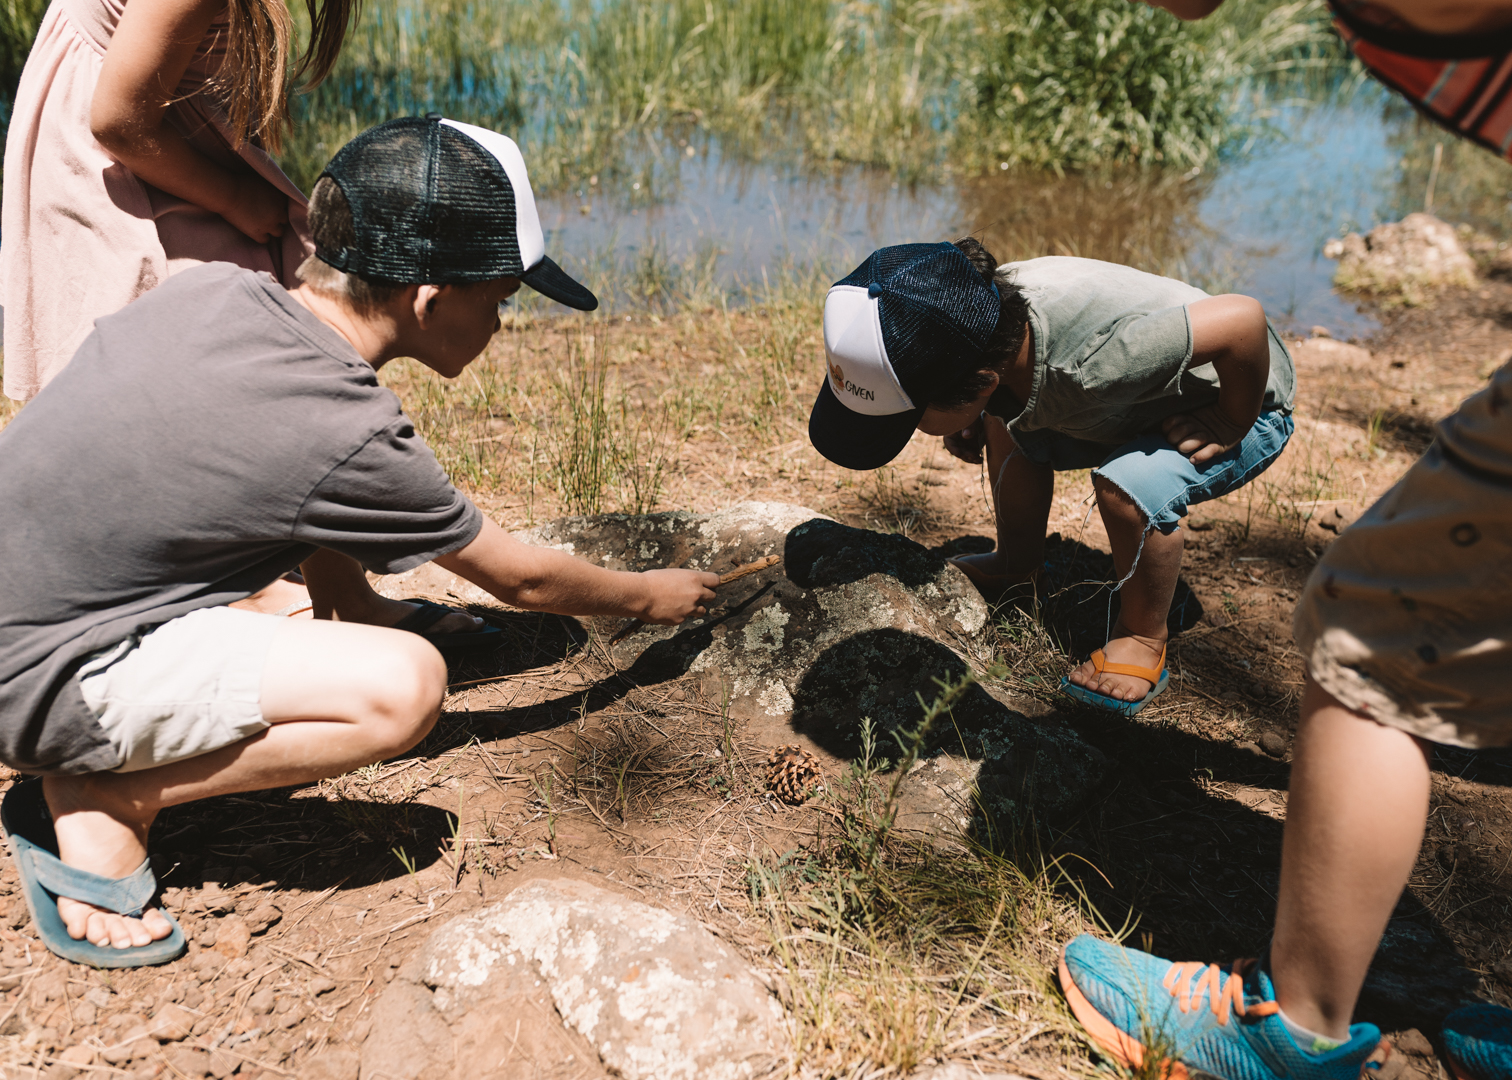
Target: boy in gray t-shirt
210 437
1170 396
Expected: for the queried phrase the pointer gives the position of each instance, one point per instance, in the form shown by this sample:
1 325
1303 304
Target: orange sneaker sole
1121 1047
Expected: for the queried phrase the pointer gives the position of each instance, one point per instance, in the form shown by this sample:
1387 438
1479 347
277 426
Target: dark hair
332 230
1007 339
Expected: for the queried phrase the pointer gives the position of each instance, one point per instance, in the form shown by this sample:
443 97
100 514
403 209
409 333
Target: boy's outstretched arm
541 579
1229 332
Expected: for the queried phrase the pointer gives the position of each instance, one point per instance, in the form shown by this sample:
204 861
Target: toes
156 924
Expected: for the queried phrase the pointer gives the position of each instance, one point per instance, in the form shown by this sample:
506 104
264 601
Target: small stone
207 935
261 1003
99 997
85 1014
128 1047
223 1063
1250 748
262 917
208 964
171 1023
1230 697
1273 743
217 902
288 1019
321 985
191 1062
81 1054
310 956
333 1064
1412 1041
233 937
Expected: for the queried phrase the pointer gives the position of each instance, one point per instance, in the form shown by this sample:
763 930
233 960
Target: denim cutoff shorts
1161 480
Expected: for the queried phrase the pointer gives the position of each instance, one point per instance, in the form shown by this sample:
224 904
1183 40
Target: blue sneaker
1201 1020
1478 1039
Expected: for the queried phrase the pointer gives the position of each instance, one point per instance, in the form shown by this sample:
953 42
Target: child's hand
967 443
675 595
257 208
1203 434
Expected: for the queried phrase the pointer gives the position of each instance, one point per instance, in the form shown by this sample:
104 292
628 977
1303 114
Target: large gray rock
1403 260
852 625
561 976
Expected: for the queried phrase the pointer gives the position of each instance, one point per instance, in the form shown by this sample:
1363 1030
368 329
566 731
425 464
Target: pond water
1255 223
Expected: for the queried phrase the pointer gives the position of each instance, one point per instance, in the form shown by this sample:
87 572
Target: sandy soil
300 905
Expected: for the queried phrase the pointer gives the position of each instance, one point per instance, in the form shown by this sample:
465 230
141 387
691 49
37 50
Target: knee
1113 502
405 698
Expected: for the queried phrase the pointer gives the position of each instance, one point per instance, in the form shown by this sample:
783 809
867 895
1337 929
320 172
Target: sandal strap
1150 675
426 615
127 896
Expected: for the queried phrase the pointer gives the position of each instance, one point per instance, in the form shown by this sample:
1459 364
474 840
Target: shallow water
1255 223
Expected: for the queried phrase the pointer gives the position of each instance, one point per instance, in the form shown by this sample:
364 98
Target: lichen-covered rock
562 965
1403 261
851 627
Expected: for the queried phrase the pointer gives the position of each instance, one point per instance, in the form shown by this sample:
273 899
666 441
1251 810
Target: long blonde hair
254 78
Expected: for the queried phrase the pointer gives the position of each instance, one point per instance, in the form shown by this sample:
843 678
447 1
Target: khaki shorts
182 689
1408 616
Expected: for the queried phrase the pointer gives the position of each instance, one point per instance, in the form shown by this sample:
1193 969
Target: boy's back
267 436
1112 348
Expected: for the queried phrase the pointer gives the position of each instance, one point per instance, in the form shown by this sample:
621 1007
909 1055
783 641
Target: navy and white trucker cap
441 202
909 322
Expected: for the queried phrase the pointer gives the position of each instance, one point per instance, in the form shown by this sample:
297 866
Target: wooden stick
724 579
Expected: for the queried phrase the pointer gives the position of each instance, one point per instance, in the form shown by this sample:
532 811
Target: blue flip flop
44 878
1103 701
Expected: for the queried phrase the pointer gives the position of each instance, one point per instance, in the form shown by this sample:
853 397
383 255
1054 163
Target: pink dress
80 235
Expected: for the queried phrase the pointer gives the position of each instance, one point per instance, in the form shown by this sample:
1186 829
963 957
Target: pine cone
792 773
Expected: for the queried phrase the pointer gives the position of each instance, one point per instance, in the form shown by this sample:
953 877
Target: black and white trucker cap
441 202
909 322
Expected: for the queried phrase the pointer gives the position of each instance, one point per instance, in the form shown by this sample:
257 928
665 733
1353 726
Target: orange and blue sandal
1157 676
1478 1042
1201 1020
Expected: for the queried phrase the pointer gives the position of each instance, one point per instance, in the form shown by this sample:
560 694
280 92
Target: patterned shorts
1408 616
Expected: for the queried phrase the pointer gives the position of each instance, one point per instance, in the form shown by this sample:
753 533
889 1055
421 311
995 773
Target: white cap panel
527 221
859 372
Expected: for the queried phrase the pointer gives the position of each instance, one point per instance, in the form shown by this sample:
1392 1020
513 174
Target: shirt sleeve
1140 357
389 505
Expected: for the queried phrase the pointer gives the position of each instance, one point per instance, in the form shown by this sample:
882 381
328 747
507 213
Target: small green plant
543 790
411 867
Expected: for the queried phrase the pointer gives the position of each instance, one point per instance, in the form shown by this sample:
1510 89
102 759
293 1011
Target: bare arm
541 579
1230 333
150 51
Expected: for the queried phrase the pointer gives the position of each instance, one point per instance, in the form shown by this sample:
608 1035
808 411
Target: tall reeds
916 86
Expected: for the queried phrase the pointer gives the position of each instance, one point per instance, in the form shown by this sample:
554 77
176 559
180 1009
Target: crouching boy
1170 396
207 439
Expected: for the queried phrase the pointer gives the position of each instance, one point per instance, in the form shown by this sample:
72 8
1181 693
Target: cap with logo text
910 322
440 202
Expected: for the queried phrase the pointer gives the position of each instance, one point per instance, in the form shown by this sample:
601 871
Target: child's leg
1022 492
1354 823
340 590
338 696
1139 636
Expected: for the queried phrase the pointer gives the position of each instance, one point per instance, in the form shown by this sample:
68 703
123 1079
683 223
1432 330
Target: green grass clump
617 87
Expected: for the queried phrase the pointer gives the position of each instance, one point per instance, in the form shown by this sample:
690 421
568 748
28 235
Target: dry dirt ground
300 904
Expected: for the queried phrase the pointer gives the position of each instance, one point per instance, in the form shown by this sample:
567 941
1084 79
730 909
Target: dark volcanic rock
851 626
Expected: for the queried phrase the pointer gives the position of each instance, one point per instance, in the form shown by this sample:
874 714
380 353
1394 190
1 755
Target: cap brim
549 279
854 441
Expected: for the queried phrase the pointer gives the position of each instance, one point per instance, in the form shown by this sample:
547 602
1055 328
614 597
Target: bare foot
1123 648
96 835
388 612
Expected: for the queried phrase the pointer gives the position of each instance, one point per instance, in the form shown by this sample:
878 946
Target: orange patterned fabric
1461 83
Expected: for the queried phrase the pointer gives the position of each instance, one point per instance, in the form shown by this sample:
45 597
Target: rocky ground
637 768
